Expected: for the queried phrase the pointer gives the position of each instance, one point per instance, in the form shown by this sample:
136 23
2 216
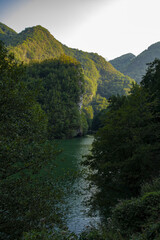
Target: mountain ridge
102 80
136 68
120 63
6 32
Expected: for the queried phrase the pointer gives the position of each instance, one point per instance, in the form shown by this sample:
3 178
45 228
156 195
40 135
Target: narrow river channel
74 184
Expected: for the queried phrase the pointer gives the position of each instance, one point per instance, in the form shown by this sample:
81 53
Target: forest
136 66
125 159
101 79
45 99
59 84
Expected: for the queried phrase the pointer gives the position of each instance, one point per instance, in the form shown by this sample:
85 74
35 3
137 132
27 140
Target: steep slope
104 77
137 68
138 65
102 80
5 30
60 85
6 33
36 43
122 62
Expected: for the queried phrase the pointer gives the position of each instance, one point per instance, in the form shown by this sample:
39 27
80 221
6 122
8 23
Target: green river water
74 183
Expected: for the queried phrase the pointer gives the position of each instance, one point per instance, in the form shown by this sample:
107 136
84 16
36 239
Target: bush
101 233
152 232
52 234
132 216
154 186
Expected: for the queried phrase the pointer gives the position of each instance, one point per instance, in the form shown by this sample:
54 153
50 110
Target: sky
110 28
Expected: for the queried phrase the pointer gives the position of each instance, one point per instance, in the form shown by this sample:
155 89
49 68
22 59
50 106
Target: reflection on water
74 183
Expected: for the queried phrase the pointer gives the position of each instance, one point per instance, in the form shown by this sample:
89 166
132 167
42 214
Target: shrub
154 186
132 216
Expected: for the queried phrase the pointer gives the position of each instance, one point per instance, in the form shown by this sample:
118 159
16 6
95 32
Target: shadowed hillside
136 67
102 80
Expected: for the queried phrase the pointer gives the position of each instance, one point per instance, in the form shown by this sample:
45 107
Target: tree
25 191
61 86
126 151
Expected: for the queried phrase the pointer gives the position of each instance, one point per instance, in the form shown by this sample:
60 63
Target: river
74 184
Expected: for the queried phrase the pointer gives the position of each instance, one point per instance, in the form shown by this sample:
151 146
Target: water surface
74 183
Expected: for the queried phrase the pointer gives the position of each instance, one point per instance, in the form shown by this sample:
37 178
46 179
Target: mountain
34 43
6 33
101 79
123 61
137 66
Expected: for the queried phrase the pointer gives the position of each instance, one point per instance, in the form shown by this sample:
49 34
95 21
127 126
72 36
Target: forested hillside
137 66
60 85
125 162
56 93
121 63
102 80
6 33
26 195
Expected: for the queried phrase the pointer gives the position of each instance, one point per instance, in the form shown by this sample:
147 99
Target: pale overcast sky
108 27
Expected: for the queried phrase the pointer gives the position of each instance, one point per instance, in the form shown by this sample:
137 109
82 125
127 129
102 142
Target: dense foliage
101 79
136 67
6 33
121 63
49 101
126 150
135 219
26 196
60 85
106 80
34 44
131 216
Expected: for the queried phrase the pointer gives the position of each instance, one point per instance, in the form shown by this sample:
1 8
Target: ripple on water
77 188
